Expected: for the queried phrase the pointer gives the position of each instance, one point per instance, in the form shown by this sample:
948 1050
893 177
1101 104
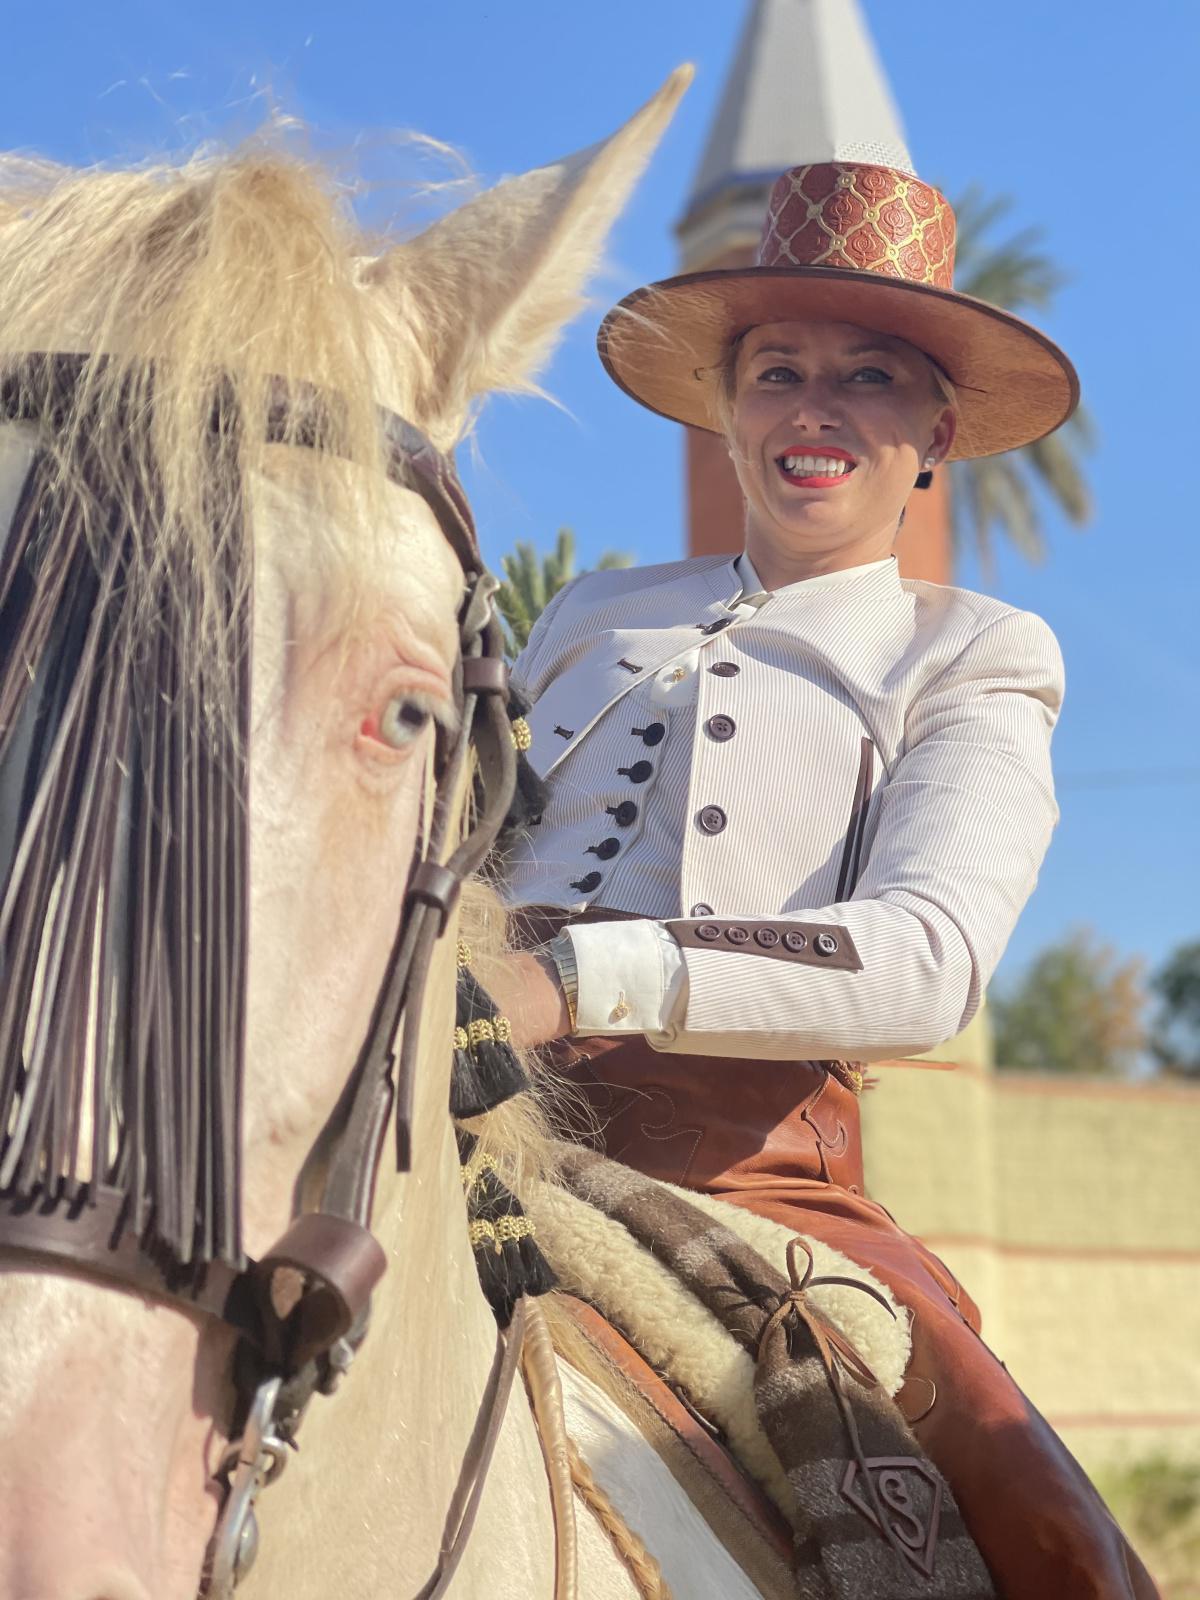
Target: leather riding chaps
783 1140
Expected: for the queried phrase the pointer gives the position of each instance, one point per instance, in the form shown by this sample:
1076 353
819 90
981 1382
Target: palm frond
532 580
1001 494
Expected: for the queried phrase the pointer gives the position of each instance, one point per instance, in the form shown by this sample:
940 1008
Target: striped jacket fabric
862 806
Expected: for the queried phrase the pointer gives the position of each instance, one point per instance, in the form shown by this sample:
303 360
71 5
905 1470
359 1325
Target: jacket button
606 849
725 669
651 734
637 773
708 931
625 815
700 910
586 885
794 940
720 728
767 937
825 944
715 627
711 819
737 935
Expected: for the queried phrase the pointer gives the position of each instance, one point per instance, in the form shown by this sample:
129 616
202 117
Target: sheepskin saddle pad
793 1351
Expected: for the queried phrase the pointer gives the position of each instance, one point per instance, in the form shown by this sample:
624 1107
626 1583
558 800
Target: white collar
753 593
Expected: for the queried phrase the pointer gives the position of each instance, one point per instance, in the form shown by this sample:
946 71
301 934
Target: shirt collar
753 593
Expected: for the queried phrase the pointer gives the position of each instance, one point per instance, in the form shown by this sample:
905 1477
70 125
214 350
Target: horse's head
232 619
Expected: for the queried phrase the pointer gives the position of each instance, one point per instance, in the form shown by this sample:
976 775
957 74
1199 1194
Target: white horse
115 1405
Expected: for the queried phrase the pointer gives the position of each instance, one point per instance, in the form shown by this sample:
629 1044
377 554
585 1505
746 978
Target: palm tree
532 581
1002 492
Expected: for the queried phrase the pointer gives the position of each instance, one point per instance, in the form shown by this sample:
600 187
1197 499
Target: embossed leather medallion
910 1496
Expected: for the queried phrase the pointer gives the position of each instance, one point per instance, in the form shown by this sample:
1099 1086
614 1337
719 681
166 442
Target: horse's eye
399 723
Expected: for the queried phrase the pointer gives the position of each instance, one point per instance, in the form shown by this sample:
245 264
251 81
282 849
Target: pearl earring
929 463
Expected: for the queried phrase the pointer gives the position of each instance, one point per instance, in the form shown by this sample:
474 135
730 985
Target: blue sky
1084 113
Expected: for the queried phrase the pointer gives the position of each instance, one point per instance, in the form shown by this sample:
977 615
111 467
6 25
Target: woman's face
831 424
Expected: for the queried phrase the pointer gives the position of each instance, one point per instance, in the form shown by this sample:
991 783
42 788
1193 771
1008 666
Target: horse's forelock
218 275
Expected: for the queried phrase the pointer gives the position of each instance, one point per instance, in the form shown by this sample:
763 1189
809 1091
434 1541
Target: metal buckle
256 1460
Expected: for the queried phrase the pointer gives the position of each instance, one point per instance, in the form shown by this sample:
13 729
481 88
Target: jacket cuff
631 976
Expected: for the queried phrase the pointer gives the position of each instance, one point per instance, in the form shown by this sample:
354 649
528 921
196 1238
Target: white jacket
882 805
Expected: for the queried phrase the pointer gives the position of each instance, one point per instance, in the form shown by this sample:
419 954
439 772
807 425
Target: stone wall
1070 1208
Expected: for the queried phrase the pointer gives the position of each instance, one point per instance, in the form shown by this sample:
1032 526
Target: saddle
761 1367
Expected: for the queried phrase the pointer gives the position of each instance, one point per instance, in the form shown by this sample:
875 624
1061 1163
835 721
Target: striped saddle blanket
791 1350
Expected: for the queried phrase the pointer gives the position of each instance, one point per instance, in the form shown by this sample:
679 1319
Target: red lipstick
821 480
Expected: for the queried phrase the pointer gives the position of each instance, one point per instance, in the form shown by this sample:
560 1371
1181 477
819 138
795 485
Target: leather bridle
285 1357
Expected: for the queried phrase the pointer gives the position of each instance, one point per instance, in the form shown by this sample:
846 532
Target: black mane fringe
123 865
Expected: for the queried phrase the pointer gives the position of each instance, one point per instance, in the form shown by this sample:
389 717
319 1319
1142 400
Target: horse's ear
492 284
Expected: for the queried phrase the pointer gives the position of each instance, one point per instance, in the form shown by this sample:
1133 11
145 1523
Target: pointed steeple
806 85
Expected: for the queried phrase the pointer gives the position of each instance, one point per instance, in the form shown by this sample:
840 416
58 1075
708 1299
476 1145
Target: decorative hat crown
867 218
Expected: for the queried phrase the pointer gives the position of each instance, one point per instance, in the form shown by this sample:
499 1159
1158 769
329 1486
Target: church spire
806 85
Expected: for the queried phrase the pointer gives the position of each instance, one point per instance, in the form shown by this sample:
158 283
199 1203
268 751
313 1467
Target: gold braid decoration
463 955
471 1171
483 1030
522 736
490 1030
505 1230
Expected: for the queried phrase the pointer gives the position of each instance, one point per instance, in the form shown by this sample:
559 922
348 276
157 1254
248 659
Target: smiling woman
818 861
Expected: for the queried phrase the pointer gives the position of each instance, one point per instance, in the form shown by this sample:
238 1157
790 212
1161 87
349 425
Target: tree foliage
1078 1007
1156 1501
531 580
1175 1035
1003 494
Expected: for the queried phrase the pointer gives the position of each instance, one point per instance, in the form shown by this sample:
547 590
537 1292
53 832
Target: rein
102 1228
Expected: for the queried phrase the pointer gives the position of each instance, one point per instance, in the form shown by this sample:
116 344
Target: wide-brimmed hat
845 242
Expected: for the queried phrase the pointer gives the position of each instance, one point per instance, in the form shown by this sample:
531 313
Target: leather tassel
529 797
507 1258
530 794
485 1071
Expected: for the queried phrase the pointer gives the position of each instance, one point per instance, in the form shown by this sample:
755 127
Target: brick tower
805 85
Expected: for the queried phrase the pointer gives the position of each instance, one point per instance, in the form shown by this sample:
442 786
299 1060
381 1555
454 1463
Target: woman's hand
526 988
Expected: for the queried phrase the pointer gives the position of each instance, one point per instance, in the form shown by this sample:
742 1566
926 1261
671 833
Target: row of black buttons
824 944
710 818
624 814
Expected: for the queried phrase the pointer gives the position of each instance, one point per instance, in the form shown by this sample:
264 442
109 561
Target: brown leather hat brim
666 345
